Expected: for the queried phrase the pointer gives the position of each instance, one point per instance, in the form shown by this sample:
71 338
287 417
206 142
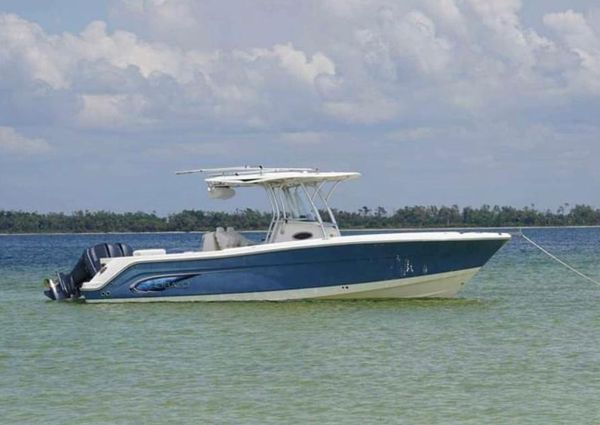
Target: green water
521 345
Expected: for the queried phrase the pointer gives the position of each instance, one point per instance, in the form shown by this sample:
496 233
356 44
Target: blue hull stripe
297 268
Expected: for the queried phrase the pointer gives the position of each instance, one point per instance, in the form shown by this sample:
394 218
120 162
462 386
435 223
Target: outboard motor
68 285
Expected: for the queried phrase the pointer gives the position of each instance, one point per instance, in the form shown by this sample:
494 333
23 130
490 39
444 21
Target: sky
435 102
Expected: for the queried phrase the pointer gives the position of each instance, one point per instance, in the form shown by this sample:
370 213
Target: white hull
442 285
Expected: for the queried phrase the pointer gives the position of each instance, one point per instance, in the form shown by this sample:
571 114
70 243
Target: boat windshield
296 204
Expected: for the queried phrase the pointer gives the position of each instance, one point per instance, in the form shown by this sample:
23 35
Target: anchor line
558 260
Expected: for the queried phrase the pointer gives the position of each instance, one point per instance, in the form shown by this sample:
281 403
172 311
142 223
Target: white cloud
370 62
112 111
171 21
12 142
583 40
24 44
118 80
298 64
435 97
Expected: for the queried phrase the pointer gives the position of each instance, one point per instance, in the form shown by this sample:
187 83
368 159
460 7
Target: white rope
555 258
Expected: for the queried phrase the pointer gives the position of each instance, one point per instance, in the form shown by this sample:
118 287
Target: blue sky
434 101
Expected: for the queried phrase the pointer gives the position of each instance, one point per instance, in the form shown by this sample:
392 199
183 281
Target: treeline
105 221
249 219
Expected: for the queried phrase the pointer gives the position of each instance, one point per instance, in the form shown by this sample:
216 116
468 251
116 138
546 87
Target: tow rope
558 260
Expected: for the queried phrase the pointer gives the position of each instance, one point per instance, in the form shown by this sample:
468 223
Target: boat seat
209 243
223 239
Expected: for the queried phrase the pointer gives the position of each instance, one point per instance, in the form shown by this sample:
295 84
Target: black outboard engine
67 285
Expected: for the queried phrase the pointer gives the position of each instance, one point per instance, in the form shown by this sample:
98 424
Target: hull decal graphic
160 283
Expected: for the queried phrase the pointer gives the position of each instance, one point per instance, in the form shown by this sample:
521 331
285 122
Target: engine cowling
67 285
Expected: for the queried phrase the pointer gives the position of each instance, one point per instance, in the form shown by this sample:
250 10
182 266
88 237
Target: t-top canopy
291 191
252 176
288 178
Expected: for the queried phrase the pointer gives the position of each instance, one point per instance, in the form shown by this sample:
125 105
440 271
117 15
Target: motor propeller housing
67 285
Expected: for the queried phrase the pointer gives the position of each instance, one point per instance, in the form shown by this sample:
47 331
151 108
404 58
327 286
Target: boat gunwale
315 243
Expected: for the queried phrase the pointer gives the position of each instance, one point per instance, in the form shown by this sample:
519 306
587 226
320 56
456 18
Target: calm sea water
521 345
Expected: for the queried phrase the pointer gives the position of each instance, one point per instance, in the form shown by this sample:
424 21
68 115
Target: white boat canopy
293 193
288 178
249 176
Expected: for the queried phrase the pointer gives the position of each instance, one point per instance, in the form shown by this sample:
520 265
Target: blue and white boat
303 256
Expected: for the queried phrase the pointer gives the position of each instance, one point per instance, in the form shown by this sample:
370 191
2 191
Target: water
520 345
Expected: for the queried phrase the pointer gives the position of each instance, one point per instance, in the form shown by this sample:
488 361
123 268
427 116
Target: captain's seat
223 239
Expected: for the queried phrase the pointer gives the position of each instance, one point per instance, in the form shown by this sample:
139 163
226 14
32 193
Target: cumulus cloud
394 62
410 78
577 36
12 142
117 80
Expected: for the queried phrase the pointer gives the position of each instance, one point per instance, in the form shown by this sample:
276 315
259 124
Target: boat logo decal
161 283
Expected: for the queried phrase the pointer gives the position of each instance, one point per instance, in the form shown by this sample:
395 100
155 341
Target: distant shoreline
402 229
368 219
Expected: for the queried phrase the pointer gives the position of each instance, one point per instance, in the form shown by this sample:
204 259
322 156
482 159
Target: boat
303 255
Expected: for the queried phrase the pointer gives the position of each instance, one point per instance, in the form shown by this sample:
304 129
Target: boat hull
346 269
442 285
